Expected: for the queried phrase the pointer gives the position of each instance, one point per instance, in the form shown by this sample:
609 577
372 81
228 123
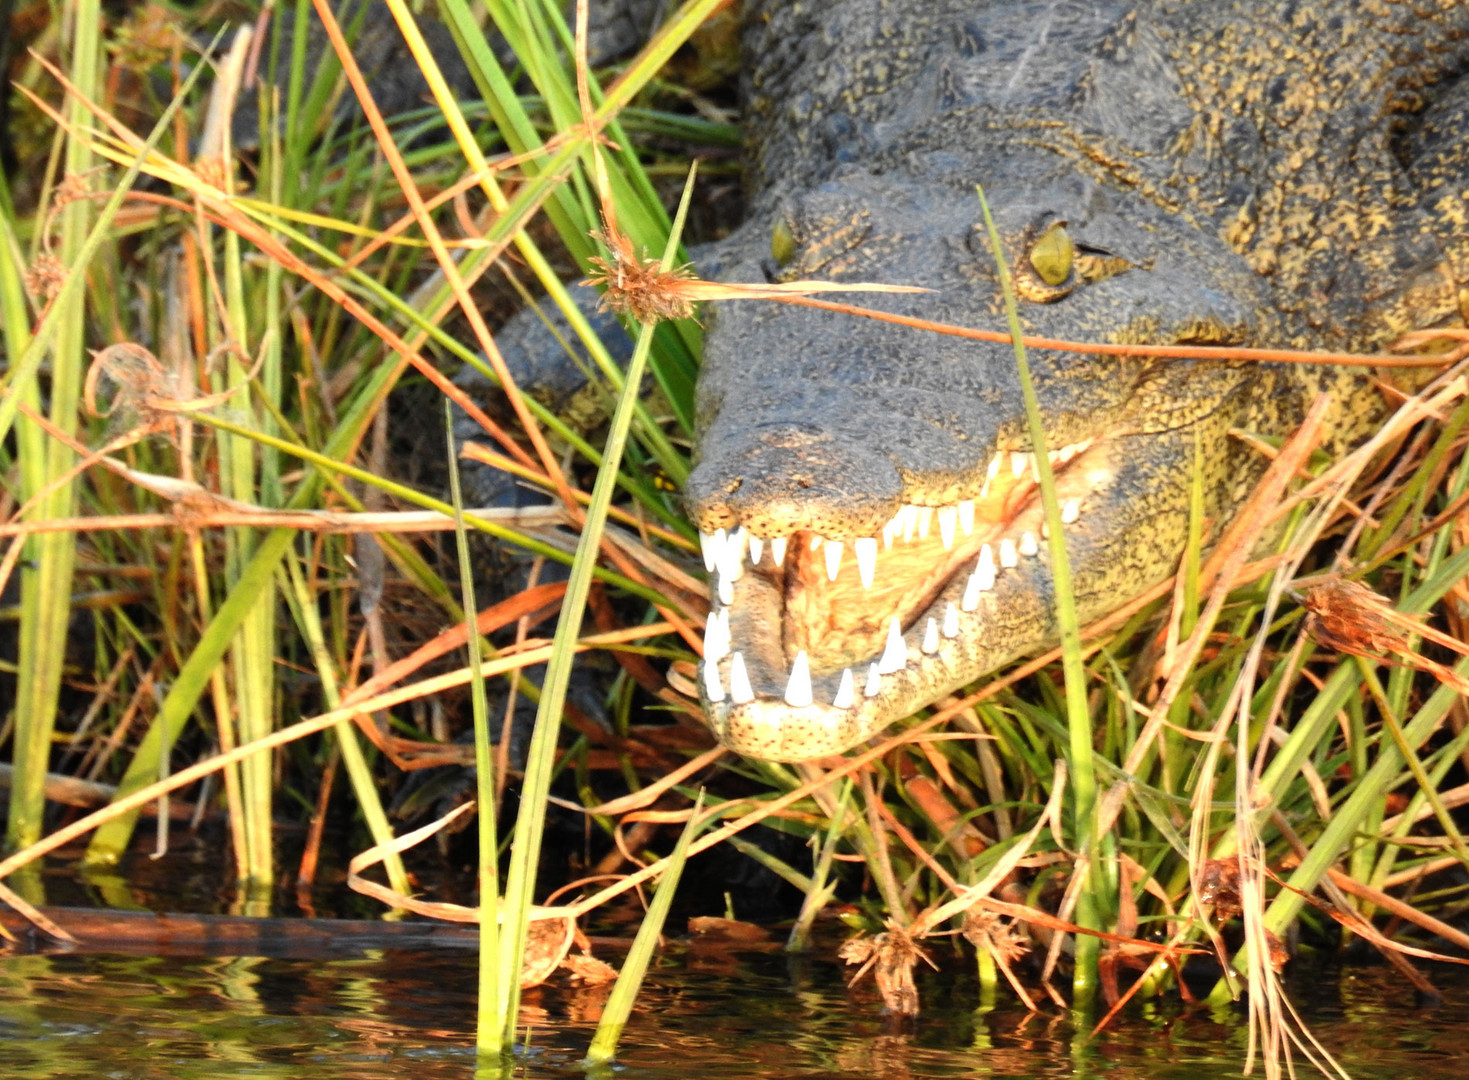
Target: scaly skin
1251 173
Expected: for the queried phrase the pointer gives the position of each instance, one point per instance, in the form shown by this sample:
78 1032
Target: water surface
703 1014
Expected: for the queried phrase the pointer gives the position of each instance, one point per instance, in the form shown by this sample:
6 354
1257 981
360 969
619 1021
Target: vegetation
1260 745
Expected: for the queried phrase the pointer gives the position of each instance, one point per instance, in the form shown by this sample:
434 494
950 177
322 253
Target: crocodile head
866 492
1210 173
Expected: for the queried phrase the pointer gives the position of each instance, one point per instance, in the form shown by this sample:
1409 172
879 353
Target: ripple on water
392 1015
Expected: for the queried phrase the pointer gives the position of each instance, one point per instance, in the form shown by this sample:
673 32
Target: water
705 1014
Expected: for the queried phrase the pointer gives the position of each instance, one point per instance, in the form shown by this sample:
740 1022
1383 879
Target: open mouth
817 642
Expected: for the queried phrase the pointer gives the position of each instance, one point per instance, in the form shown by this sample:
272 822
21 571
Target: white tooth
1008 555
798 690
948 517
970 600
725 588
984 570
895 654
1053 456
908 516
951 621
730 558
888 531
833 558
739 681
711 544
866 549
724 636
966 516
757 548
1069 452
778 550
1018 461
716 640
816 542
874 681
1045 531
1070 510
994 468
712 689
843 700
931 637
1028 546
925 519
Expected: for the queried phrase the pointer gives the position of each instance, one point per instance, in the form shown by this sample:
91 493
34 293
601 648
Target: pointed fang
729 560
711 544
725 588
984 569
712 688
951 621
844 697
1028 546
740 691
948 518
874 681
1008 555
1018 461
716 640
1070 510
966 516
925 519
970 600
908 516
778 550
798 690
931 637
866 549
757 548
895 655
833 559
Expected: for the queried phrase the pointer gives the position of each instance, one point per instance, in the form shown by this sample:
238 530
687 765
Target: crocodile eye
782 243
1051 256
1048 271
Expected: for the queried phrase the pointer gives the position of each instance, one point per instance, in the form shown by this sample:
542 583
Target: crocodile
1282 173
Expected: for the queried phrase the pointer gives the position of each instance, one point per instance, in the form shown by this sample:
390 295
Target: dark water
398 1014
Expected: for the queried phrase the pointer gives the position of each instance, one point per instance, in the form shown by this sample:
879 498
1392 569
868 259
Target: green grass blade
305 608
1078 715
488 1031
46 574
529 826
619 1005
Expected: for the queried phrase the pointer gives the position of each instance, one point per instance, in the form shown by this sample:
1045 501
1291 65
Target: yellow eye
1051 256
782 243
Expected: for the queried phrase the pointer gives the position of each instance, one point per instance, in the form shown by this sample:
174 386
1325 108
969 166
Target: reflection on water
397 1014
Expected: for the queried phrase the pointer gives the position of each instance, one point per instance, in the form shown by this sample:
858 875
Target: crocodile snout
778 479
